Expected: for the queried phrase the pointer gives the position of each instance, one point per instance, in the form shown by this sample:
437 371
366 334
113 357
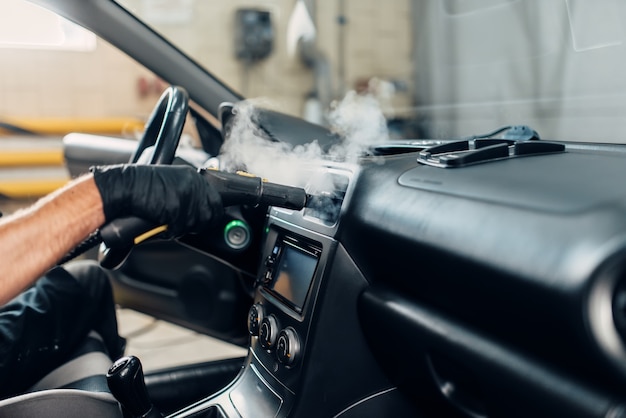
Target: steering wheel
164 127
162 132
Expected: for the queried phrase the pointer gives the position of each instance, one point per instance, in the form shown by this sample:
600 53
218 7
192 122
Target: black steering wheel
162 134
164 127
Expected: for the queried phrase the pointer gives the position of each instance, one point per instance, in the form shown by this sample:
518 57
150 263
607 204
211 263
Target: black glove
174 195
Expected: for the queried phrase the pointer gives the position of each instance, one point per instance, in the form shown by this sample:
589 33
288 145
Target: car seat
77 388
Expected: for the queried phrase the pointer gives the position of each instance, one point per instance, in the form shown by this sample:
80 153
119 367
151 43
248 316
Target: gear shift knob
126 382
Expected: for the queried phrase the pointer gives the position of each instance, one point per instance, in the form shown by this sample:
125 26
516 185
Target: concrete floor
159 344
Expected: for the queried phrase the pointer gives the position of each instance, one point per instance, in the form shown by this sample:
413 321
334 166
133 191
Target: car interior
473 276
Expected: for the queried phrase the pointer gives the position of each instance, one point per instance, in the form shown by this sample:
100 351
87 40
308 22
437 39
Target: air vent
328 192
619 308
606 312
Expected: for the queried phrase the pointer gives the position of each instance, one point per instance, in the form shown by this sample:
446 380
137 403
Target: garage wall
555 65
58 84
372 38
376 39
104 83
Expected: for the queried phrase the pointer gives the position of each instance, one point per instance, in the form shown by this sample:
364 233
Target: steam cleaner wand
247 189
234 189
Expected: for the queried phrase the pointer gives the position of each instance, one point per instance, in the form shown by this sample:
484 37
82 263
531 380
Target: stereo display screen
294 275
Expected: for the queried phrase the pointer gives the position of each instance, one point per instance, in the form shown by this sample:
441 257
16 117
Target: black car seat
77 388
61 403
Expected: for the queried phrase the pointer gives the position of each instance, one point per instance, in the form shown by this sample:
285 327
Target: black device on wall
254 35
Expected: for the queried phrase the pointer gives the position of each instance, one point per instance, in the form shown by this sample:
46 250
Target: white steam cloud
360 122
357 119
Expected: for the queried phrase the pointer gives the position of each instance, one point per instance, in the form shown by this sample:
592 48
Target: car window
57 78
439 69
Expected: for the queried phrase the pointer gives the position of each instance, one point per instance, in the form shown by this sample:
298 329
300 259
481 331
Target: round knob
268 332
237 234
126 381
255 317
288 346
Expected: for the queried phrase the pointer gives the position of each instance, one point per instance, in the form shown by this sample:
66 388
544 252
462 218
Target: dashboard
489 290
298 257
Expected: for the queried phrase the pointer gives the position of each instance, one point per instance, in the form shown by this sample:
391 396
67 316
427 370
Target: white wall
103 83
557 65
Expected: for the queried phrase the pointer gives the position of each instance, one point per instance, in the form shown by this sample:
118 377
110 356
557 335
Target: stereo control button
255 316
237 234
288 346
268 332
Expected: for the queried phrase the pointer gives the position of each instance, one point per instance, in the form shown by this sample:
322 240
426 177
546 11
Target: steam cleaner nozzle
244 188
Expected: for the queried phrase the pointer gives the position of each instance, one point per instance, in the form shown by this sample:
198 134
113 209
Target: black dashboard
495 289
505 278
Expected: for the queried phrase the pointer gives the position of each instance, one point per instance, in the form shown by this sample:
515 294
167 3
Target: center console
299 245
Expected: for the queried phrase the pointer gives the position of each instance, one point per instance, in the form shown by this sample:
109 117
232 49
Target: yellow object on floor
31 181
14 158
62 126
20 189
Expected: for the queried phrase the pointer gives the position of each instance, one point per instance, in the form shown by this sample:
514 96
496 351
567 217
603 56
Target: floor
159 344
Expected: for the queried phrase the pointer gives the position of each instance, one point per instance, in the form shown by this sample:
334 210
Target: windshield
438 68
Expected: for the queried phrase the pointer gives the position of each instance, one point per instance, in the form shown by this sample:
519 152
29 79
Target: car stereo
290 268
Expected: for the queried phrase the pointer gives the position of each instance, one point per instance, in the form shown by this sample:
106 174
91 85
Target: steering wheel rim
164 127
163 130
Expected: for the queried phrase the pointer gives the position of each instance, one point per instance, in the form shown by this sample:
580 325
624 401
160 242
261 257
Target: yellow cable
150 234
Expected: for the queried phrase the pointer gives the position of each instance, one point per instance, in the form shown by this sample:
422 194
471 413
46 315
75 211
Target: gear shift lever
126 382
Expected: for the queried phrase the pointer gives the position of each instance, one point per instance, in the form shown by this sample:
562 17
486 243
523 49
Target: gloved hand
175 195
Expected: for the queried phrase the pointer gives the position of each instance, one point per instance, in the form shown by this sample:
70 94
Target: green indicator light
234 224
237 234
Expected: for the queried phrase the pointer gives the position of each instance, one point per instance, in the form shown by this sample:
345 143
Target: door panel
170 281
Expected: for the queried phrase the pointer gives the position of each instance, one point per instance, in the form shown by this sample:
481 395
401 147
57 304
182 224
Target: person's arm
32 240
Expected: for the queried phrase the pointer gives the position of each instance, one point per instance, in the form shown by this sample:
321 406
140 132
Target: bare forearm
34 239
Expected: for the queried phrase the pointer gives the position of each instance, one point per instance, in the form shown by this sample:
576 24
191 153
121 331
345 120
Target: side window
58 78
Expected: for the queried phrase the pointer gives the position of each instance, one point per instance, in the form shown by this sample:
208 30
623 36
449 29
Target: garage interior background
103 83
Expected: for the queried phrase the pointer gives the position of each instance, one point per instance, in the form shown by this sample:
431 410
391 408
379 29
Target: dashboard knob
268 332
237 234
255 317
288 346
